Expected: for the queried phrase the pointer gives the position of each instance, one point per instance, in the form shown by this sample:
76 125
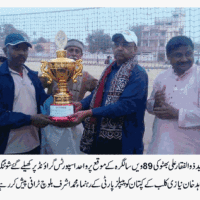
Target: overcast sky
110 18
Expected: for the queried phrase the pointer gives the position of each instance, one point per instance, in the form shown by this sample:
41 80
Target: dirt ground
96 72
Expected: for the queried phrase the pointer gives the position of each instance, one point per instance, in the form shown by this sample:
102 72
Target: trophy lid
61 42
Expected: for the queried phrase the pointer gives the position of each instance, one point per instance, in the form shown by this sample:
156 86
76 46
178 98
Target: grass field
96 72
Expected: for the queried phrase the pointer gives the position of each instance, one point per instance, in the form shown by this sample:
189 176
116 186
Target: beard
19 60
181 68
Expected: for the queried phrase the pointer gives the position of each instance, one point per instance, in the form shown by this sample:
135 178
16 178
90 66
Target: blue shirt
131 105
9 119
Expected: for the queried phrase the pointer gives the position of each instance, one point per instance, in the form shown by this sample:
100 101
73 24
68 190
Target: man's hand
160 97
78 117
40 120
74 119
77 106
166 111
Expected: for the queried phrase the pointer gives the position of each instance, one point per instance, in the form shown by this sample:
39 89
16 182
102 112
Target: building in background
155 37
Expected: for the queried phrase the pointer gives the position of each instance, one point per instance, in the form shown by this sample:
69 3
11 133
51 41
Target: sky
102 3
91 20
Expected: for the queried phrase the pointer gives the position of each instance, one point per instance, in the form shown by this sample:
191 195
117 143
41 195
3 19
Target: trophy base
61 119
61 113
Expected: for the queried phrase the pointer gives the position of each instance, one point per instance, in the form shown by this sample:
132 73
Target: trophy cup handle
45 71
77 72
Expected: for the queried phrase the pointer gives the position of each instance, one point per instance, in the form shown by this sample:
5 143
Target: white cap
128 35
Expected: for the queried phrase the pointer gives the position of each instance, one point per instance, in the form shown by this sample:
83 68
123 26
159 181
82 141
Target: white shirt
25 138
180 136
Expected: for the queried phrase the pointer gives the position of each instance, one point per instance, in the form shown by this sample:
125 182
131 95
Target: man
69 140
85 83
21 95
115 110
110 60
175 102
107 60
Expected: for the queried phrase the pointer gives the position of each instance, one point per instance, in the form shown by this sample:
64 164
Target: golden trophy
61 70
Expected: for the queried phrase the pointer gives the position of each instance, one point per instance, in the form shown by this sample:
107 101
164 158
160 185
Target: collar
15 72
115 66
185 74
4 69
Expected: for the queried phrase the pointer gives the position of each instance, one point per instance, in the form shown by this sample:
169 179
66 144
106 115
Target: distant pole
34 33
97 57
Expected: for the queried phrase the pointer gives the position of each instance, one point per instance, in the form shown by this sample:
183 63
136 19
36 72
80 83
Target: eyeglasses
123 44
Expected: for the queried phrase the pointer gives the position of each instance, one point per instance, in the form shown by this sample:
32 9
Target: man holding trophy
21 94
114 112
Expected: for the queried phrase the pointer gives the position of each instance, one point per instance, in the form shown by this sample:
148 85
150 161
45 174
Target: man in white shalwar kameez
175 102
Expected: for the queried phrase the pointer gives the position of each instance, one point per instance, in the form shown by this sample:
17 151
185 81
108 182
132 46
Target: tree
7 29
41 40
138 31
34 41
98 41
39 48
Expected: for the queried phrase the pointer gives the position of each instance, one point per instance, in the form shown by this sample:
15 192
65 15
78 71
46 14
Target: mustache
73 57
184 63
119 53
21 57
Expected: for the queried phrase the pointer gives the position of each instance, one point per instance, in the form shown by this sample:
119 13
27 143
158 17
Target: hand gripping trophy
61 70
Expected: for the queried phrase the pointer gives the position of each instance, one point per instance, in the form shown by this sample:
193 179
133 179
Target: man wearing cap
21 95
114 112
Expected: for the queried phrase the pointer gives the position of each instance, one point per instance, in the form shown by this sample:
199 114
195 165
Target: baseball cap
128 35
75 43
14 39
